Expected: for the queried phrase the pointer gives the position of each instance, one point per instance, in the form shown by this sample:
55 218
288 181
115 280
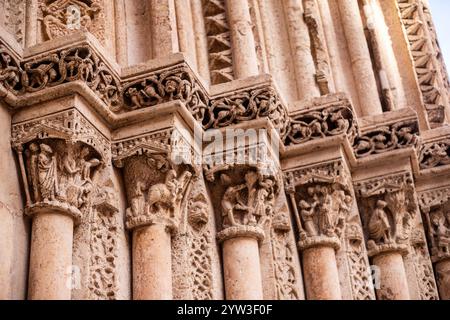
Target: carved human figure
326 213
262 201
440 232
230 202
379 226
307 214
137 201
47 168
70 165
34 173
87 165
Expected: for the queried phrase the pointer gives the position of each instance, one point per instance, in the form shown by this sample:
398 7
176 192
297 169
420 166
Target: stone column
58 165
321 274
154 193
185 27
50 254
443 278
301 49
360 57
152 263
241 263
321 201
245 60
163 26
121 32
393 284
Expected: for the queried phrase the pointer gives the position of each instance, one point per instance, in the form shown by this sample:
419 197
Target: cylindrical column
299 39
152 263
245 61
200 40
443 278
51 256
163 26
31 25
392 283
121 32
242 270
360 57
241 263
321 275
185 27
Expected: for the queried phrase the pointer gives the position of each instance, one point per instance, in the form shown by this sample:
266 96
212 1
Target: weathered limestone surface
223 149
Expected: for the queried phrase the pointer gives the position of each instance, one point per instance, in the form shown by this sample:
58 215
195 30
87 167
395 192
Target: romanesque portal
223 149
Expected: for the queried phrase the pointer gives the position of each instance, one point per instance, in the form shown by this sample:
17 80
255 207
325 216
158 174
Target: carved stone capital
322 200
388 211
61 157
435 207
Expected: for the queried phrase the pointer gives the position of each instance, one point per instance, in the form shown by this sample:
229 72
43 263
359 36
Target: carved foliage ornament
383 139
434 154
76 64
335 118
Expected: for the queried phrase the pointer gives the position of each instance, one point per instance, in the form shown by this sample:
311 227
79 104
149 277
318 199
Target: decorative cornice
329 115
434 154
384 138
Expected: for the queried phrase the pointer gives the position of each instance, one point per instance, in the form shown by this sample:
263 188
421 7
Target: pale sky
440 10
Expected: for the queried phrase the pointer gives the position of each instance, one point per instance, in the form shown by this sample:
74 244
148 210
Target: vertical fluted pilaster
163 26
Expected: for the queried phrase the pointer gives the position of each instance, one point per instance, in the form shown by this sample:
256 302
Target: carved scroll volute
59 174
246 196
321 200
155 190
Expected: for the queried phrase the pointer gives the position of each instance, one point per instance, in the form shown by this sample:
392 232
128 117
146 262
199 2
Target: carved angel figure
379 225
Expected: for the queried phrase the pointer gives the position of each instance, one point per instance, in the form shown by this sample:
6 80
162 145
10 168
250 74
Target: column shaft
152 263
51 257
443 278
393 284
242 270
321 274
360 57
301 49
163 26
245 61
